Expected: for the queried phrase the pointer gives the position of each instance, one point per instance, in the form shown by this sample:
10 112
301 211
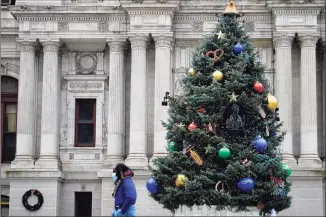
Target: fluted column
49 150
116 104
138 103
283 84
26 110
308 115
163 72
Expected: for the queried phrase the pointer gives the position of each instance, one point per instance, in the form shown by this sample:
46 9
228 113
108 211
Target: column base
23 162
137 161
48 162
310 161
111 161
290 161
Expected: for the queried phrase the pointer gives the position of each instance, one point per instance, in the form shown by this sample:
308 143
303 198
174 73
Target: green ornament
224 153
171 146
287 169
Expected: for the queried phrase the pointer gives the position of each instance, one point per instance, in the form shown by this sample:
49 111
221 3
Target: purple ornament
237 49
260 144
246 184
152 186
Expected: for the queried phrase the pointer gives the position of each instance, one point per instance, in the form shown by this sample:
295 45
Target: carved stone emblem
63 27
86 64
103 26
197 26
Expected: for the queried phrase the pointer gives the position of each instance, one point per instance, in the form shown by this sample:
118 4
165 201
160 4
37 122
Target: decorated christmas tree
224 133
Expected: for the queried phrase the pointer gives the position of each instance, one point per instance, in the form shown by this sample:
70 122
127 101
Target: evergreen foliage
201 90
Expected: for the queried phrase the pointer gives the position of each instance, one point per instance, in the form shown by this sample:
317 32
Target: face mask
114 177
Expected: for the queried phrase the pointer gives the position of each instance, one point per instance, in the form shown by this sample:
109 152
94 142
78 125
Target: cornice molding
149 9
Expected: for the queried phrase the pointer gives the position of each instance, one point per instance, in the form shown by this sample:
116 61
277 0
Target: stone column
308 103
116 104
137 157
49 150
26 107
283 84
163 76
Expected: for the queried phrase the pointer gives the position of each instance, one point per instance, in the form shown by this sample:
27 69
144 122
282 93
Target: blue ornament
152 186
238 48
246 184
282 192
260 144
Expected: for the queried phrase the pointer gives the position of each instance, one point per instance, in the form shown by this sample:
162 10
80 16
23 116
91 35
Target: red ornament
193 126
258 87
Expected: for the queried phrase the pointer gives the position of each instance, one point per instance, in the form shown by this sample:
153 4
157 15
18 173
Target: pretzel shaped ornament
215 55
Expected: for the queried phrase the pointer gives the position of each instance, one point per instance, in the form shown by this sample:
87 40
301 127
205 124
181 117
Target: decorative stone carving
104 126
163 41
50 46
97 156
116 46
161 1
8 67
71 156
103 26
285 1
197 26
249 26
26 46
283 40
86 64
178 84
138 41
137 1
64 132
64 84
85 85
63 27
308 40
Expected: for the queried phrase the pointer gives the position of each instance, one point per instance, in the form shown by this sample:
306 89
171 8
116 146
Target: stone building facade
83 82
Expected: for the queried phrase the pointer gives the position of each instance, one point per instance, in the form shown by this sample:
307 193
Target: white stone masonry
308 115
163 76
283 89
116 104
137 157
49 150
26 107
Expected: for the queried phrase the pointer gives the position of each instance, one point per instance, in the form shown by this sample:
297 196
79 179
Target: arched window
9 92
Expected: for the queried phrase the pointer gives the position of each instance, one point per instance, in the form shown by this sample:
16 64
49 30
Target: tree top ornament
231 8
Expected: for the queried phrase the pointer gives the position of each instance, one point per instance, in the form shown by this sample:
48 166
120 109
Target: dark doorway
83 204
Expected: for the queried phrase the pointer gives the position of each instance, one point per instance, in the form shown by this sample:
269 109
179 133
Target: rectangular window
85 122
9 127
83 204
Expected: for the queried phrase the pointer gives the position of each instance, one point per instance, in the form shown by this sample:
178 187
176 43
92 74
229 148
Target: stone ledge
34 174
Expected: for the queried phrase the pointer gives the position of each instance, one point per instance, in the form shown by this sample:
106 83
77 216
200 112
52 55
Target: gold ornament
218 75
272 102
233 97
191 72
193 155
220 35
231 8
180 180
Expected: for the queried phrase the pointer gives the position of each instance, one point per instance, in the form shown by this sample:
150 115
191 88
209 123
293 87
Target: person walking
124 193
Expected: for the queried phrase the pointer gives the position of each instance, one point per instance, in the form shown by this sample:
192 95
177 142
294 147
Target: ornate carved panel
178 76
86 63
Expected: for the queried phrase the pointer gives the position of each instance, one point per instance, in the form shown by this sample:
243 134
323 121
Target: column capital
283 40
117 45
50 45
139 40
163 40
27 45
308 39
